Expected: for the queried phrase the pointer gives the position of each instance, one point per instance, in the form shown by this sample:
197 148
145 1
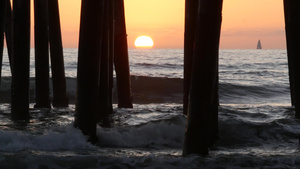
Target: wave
167 90
265 133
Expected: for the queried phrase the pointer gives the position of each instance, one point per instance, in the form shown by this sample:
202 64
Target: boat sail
259 45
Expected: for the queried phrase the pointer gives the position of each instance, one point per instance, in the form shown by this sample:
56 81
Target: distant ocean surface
257 127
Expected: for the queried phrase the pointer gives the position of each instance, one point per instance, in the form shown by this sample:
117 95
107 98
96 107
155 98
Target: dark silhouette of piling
20 59
56 54
2 30
111 30
292 25
191 8
121 60
8 31
104 76
288 43
41 53
202 97
88 67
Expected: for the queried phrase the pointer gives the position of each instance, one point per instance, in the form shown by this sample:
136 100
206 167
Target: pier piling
56 54
121 60
2 30
202 96
104 85
191 8
41 53
20 60
111 31
8 31
89 54
292 26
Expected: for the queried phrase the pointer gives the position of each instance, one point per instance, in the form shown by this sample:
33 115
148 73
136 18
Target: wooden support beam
41 53
289 51
57 60
2 30
292 24
8 31
20 59
202 96
121 59
111 30
191 8
104 76
89 53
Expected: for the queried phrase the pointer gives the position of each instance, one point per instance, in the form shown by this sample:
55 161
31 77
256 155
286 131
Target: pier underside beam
292 26
202 97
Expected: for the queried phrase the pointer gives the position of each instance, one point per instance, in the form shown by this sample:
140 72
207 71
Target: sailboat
259 45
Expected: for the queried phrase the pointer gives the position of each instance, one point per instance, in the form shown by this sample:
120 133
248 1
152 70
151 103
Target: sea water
257 128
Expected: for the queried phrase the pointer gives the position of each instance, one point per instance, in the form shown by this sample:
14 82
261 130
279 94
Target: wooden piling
20 59
290 63
8 31
104 86
111 31
292 24
56 54
2 30
121 60
191 8
41 53
203 78
89 52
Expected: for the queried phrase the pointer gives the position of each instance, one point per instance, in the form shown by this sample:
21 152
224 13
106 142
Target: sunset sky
244 22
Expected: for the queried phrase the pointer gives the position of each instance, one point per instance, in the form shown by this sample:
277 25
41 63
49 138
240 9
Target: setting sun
144 42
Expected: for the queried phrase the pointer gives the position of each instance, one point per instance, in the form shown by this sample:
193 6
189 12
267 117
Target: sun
143 42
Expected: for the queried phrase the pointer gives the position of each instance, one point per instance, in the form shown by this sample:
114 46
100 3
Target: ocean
257 128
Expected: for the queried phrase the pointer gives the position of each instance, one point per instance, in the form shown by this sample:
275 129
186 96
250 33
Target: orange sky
244 22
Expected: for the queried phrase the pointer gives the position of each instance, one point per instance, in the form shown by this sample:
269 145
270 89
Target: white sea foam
153 134
56 138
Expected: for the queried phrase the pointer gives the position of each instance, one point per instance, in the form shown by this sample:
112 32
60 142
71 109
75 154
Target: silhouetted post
288 44
41 53
214 123
89 51
20 59
121 57
191 8
111 30
8 31
203 78
292 23
2 29
104 87
56 53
